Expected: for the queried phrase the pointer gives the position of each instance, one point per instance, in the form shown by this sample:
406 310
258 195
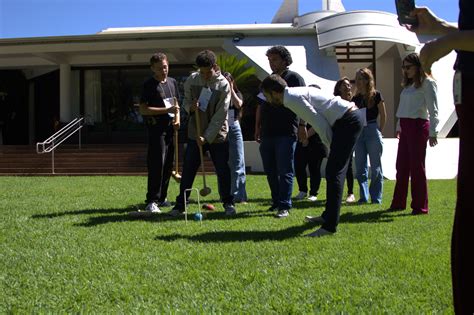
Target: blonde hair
369 95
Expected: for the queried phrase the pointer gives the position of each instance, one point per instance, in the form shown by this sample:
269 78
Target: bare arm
234 97
151 111
438 48
450 37
382 114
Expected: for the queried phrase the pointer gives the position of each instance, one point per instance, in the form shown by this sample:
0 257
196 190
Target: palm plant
248 83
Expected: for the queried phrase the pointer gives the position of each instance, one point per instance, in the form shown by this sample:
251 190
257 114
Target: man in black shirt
276 129
160 109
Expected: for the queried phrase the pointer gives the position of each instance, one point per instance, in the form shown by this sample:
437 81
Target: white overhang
353 26
127 46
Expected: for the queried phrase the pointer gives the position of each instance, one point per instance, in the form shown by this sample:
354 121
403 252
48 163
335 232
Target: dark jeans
346 130
312 156
159 161
277 157
192 161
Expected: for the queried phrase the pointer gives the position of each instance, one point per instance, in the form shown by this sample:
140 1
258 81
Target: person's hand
173 109
194 106
433 141
201 141
176 125
257 135
428 22
302 134
397 134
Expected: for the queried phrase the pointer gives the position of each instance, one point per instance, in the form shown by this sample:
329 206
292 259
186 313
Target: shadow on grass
238 236
115 215
161 217
381 216
85 211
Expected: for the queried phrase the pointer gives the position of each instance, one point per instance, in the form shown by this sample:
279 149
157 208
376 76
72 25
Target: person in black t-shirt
276 129
462 40
160 109
370 140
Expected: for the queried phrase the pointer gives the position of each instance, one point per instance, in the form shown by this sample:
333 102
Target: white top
318 108
420 103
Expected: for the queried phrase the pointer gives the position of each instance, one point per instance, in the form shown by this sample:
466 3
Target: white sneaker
350 198
282 214
312 198
300 196
309 218
320 232
152 207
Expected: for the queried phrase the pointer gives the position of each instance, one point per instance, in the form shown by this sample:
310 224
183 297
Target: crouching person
337 121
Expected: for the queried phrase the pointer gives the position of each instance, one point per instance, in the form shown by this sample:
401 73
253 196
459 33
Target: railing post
80 131
52 160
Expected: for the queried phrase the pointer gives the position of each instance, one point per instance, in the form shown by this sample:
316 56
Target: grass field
67 245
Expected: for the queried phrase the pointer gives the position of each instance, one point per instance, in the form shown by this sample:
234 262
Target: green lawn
67 245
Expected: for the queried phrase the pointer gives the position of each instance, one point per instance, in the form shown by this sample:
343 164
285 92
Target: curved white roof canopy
353 26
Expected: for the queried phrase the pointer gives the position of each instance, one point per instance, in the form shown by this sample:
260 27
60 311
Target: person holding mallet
206 100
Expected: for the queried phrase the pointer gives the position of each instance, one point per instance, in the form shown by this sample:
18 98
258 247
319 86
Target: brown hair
337 87
230 78
157 58
420 76
273 83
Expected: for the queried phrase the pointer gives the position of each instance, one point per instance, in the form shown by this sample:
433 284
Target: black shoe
272 208
165 203
176 211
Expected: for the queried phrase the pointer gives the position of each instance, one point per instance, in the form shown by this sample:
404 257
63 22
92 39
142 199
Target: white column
65 112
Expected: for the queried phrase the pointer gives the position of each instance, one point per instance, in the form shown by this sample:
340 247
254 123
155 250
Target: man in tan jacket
208 92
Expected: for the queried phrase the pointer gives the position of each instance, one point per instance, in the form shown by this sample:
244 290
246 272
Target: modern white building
99 76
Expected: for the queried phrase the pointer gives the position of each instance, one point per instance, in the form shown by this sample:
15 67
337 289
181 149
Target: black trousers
345 131
159 161
462 261
312 156
220 157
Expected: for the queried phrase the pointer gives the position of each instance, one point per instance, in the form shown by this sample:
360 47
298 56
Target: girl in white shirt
418 120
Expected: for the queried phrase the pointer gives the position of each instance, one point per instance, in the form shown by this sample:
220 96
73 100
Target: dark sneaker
272 208
319 233
165 203
229 209
176 211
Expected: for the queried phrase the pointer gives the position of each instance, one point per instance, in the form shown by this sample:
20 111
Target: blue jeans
220 157
278 157
369 143
237 162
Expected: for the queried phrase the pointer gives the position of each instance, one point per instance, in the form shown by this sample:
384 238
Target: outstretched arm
450 37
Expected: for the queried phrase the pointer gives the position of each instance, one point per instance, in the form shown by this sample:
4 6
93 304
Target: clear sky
33 18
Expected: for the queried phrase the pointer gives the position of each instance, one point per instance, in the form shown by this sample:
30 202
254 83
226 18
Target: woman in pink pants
418 119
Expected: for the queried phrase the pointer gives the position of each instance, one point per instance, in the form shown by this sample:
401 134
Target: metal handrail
50 144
